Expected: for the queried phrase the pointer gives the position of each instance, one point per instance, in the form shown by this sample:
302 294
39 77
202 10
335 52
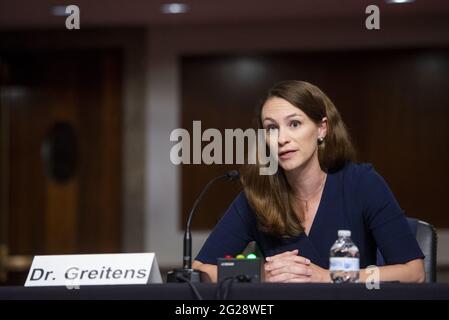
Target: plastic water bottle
344 259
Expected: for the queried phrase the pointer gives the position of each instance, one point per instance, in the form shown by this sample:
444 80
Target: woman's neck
306 180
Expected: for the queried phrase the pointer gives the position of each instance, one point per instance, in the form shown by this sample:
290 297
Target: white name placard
77 270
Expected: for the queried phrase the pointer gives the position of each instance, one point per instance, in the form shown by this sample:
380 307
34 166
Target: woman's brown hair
270 196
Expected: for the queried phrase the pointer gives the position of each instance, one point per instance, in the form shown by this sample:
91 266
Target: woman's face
294 132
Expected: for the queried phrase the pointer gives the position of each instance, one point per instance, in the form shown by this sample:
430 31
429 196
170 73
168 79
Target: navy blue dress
354 198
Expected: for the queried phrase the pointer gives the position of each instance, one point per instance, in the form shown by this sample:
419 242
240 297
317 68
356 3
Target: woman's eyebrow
287 117
293 115
268 118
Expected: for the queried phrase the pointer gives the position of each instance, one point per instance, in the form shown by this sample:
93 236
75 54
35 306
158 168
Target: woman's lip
286 155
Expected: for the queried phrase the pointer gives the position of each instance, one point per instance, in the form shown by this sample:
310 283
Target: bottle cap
240 256
251 256
344 233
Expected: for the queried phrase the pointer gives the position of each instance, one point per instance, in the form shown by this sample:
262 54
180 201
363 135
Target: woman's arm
230 236
288 267
412 271
209 269
390 229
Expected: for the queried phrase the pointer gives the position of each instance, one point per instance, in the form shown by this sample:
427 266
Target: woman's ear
322 128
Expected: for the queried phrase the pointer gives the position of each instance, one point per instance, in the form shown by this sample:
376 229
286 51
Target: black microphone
187 273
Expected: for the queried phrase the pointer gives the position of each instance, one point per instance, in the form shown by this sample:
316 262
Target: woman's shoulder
358 169
241 203
242 208
360 173
365 181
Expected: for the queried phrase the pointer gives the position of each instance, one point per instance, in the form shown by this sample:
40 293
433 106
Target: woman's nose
283 137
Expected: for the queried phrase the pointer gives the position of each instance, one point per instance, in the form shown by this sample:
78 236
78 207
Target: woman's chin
288 165
293 164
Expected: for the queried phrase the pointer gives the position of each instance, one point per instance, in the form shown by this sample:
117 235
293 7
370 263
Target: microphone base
182 275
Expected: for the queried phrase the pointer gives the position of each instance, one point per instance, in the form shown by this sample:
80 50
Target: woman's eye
271 128
294 124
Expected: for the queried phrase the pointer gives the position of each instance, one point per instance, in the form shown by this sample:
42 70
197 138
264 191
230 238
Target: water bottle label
344 264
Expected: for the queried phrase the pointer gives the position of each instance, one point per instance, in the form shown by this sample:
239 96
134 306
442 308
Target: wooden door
61 155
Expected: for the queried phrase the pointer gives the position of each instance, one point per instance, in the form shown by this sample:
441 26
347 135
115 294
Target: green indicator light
240 256
251 256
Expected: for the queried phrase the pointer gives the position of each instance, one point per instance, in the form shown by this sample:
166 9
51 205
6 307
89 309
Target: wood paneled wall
395 103
82 89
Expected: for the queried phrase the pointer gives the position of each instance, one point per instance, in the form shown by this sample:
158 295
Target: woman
295 214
